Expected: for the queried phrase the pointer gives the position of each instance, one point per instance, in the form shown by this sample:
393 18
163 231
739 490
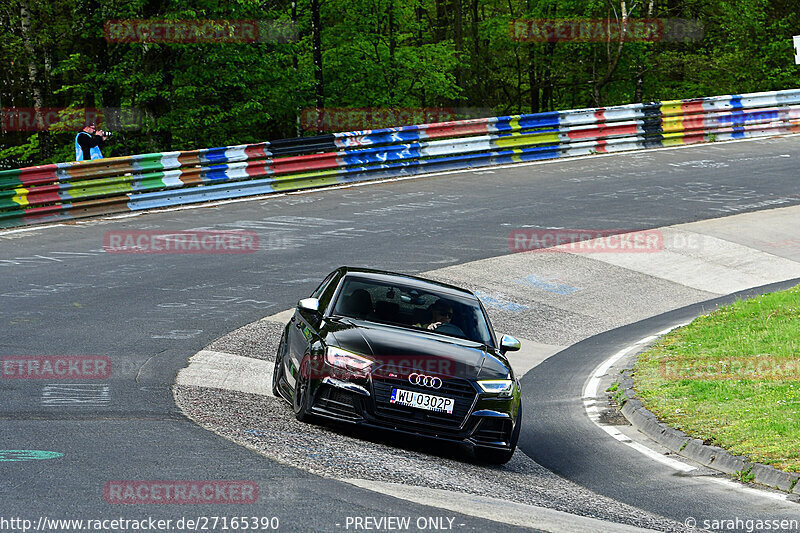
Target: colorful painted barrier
72 190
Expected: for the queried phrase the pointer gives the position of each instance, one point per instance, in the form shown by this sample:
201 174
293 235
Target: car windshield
400 305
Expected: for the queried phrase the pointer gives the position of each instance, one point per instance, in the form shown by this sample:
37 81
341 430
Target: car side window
327 291
322 286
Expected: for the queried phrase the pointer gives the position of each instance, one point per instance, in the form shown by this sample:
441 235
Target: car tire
277 372
302 395
501 457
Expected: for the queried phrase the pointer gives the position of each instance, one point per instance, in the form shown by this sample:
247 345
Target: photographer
88 142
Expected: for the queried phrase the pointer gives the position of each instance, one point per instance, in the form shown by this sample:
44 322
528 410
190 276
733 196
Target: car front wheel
277 372
302 394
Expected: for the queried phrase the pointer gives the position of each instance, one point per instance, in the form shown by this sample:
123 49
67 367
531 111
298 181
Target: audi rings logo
425 381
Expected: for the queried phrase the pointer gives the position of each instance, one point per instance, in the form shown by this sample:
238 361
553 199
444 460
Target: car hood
400 348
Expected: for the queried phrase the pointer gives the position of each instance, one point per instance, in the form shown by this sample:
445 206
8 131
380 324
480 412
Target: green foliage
23 151
746 475
375 54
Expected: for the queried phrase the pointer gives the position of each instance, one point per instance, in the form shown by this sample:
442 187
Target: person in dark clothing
88 142
440 312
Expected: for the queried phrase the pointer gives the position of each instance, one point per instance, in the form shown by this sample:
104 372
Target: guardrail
61 191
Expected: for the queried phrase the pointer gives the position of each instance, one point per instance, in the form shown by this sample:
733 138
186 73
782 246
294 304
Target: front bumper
476 419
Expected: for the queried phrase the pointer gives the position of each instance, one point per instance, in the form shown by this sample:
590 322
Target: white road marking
590 390
590 395
708 263
755 492
220 370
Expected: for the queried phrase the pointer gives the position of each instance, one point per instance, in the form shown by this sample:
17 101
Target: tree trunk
317 44
441 20
294 69
533 80
477 62
34 78
547 89
392 47
458 39
640 68
420 12
613 61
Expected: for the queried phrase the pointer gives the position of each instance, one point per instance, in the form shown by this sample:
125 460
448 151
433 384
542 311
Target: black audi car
401 353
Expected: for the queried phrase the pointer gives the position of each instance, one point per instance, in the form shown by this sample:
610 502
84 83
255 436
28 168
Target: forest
167 75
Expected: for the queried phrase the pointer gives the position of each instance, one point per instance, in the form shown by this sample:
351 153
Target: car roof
408 280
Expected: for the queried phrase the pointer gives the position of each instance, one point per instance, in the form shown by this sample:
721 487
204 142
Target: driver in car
441 314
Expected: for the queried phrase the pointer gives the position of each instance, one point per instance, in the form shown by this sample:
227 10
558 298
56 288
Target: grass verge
732 379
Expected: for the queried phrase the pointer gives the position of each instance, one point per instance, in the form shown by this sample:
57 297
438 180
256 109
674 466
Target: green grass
732 379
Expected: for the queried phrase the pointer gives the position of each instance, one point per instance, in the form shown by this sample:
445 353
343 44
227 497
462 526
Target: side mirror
309 304
509 344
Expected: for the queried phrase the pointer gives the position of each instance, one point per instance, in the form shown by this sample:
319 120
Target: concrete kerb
712 457
771 477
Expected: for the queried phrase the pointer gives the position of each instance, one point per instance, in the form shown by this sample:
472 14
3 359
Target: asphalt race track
604 465
62 294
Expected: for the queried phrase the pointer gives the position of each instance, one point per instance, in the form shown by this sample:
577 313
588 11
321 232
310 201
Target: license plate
421 400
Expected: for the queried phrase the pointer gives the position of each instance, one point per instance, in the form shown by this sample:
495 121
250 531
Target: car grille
420 420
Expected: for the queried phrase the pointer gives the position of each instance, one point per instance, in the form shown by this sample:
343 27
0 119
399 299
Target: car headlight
345 360
501 387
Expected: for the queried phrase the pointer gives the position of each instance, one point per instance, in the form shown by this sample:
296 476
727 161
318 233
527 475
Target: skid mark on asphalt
500 301
547 284
76 395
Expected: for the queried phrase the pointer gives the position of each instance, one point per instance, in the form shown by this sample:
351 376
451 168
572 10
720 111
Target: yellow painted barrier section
21 197
672 124
674 139
526 140
311 179
102 187
671 107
